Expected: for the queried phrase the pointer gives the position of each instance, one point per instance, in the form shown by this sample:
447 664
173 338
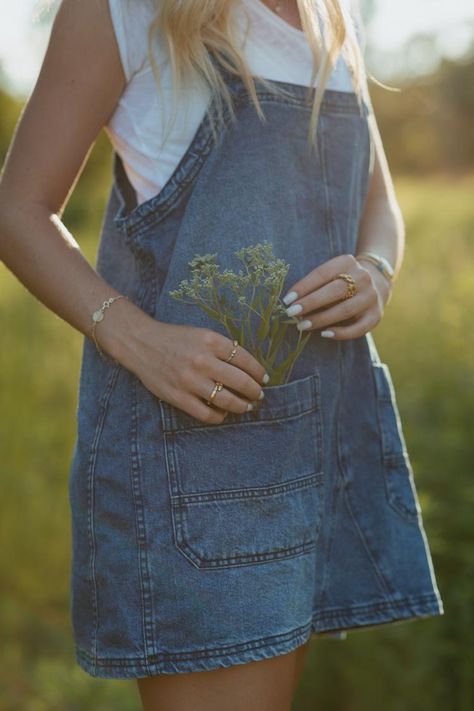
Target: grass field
426 337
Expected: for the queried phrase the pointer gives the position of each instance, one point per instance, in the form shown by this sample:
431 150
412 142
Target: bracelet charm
98 316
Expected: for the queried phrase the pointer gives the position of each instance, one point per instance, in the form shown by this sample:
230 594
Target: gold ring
351 288
217 388
233 351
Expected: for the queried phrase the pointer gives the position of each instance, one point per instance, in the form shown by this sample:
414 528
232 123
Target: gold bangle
98 316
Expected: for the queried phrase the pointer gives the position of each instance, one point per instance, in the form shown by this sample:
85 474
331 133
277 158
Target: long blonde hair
193 29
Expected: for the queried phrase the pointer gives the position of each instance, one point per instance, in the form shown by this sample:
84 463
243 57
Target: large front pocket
399 483
250 489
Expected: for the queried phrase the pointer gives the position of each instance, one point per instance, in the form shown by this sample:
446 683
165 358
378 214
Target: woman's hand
318 298
181 364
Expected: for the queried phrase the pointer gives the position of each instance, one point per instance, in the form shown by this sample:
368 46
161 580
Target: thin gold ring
233 351
351 286
217 388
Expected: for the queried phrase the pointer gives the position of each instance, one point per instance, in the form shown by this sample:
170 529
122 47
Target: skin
79 86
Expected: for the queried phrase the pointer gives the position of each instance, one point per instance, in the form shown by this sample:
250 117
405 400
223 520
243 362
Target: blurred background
426 50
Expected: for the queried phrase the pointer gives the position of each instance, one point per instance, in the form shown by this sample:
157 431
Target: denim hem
200 660
386 612
330 623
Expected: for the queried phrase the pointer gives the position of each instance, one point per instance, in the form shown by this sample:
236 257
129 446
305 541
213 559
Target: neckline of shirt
277 21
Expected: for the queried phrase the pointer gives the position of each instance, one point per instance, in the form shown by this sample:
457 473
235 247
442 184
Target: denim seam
112 379
384 582
185 173
241 423
352 188
391 460
248 492
302 631
199 561
171 424
329 542
201 654
141 537
316 385
328 216
376 607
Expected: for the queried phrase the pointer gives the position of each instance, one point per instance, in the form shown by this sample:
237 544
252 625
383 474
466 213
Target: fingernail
328 334
249 407
290 297
266 378
293 310
303 325
261 396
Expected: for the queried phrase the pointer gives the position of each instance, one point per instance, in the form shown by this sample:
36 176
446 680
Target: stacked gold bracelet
98 316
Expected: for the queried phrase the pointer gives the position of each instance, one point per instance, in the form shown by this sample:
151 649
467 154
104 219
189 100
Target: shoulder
131 21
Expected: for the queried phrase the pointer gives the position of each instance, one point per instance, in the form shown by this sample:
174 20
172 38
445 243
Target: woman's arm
382 228
79 85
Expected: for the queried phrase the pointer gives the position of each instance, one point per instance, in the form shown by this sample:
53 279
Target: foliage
429 124
248 304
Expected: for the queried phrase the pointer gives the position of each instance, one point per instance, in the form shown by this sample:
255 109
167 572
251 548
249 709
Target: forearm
36 246
382 228
382 231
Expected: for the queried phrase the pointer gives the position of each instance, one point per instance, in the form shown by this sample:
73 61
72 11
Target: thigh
264 685
300 659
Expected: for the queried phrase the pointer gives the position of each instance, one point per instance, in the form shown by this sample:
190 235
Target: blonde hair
193 30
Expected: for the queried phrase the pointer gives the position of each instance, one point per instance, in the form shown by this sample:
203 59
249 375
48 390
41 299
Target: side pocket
249 490
399 482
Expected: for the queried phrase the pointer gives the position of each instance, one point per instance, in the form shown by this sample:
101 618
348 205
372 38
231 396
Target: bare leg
301 654
264 685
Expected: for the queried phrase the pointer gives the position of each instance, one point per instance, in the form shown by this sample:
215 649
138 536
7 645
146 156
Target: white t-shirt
273 49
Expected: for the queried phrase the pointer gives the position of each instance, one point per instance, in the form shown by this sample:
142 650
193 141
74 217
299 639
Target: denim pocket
250 489
400 487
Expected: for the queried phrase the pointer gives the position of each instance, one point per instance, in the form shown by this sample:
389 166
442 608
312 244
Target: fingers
340 312
225 399
335 291
355 330
241 389
223 402
242 360
320 276
318 300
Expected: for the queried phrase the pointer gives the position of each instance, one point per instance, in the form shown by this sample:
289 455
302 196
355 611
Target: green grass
427 340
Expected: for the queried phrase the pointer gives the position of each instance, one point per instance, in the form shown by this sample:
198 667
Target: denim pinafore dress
195 546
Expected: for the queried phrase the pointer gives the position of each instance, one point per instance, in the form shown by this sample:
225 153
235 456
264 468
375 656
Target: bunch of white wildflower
248 304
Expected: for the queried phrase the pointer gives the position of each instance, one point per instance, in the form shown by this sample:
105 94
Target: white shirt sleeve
131 20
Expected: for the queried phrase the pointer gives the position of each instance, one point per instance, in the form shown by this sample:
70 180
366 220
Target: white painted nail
249 407
293 310
266 378
261 396
290 297
304 325
328 334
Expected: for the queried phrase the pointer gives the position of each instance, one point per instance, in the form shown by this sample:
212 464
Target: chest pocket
401 492
250 489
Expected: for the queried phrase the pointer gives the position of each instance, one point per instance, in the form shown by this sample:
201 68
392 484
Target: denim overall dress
197 546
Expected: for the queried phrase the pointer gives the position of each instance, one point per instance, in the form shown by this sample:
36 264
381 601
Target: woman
210 534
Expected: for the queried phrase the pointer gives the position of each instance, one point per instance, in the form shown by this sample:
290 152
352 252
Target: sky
23 37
